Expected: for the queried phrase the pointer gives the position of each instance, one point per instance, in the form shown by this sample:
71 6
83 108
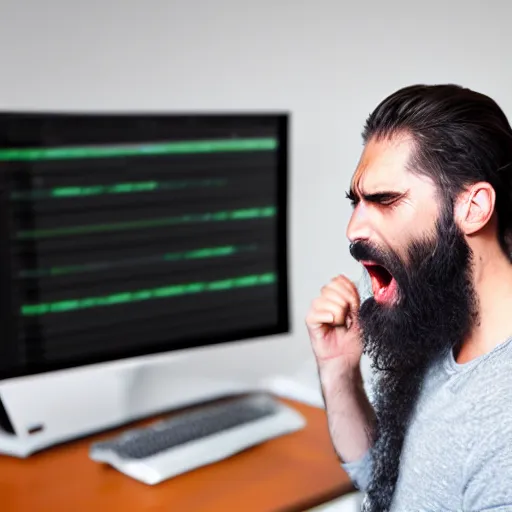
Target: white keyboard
195 438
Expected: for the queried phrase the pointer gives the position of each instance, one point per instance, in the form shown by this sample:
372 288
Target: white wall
327 61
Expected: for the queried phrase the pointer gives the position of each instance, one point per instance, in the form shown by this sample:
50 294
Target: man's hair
461 137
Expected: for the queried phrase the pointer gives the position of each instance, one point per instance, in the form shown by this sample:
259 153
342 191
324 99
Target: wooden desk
290 473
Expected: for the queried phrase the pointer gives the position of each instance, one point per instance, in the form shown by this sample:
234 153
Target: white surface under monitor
51 408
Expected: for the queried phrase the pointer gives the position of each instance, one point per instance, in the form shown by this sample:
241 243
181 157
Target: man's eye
352 198
384 199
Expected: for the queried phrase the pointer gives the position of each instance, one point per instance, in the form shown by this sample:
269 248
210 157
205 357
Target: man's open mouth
383 283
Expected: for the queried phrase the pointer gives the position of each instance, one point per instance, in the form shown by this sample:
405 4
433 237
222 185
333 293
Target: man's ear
475 207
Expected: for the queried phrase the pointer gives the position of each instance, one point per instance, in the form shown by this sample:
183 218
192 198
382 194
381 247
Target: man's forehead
383 165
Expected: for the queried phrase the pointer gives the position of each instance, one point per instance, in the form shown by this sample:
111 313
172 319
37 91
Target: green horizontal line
205 252
247 213
147 294
115 188
177 148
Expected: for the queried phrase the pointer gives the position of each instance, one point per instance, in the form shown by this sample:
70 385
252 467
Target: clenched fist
333 326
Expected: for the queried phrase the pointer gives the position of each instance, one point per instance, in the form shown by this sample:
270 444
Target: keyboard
195 438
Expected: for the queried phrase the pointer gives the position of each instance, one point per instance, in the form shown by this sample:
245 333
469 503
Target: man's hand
333 326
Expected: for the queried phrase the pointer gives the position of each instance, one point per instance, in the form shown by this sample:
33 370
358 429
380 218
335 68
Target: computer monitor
125 235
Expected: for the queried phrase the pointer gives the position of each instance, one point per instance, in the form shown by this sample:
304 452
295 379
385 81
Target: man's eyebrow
375 197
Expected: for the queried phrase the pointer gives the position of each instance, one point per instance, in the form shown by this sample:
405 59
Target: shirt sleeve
360 471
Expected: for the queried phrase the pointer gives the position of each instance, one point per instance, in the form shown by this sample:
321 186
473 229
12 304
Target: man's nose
359 227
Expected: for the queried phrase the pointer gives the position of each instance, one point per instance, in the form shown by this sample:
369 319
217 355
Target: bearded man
432 225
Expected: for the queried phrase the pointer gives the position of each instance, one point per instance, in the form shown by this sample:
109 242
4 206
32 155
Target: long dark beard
436 309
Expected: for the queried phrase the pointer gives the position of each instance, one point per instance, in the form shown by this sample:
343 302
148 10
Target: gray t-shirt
457 454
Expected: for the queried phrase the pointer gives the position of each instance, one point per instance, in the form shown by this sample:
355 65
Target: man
432 224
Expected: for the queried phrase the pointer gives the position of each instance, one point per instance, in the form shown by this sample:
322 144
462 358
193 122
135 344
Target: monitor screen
130 234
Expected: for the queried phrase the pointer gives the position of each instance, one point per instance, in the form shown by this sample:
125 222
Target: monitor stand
47 409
